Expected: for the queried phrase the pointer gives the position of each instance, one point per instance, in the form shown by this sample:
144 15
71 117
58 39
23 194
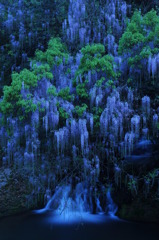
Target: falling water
111 206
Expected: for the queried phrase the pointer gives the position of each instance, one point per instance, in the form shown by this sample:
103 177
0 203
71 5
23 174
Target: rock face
4 176
140 211
14 193
10 193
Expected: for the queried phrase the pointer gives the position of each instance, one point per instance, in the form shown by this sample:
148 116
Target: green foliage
154 173
65 94
12 102
140 41
63 114
132 185
100 82
94 59
27 106
81 109
140 32
129 80
96 116
151 176
81 90
68 71
110 83
25 76
156 35
93 50
107 84
151 19
133 35
52 91
35 16
54 54
42 71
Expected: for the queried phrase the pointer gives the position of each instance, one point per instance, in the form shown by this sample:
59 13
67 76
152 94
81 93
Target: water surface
49 226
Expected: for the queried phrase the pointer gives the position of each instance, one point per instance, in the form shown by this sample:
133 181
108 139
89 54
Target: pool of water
49 226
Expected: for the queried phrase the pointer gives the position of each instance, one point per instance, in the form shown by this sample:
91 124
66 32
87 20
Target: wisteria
77 119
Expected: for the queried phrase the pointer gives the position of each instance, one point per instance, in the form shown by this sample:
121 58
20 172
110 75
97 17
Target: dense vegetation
139 45
80 100
24 27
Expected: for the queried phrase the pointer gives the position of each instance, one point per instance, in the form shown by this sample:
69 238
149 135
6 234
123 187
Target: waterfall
111 206
68 204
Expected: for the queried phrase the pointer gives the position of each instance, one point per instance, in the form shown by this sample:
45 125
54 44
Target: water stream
69 206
